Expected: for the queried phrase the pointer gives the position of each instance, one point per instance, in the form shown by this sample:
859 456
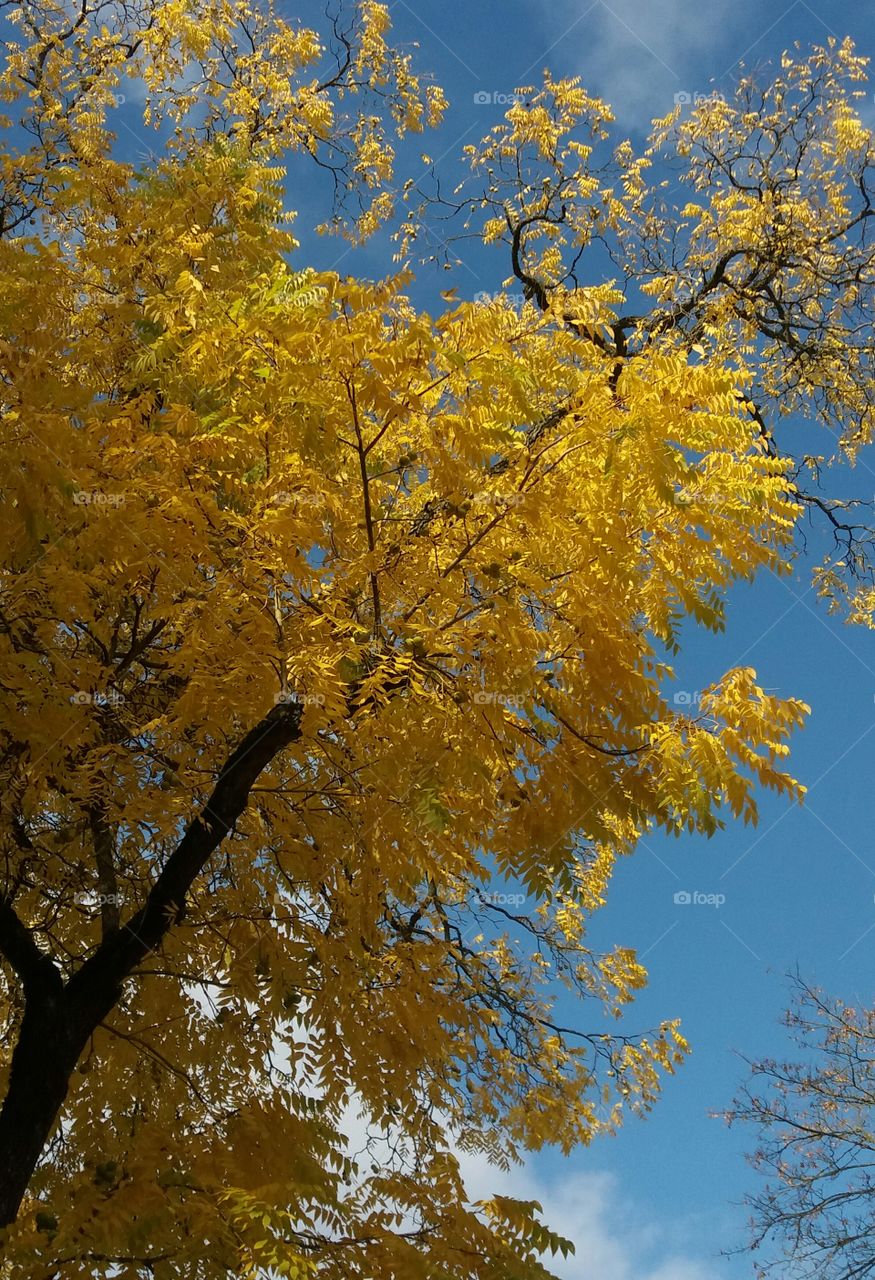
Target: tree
322 616
767 270
815 1143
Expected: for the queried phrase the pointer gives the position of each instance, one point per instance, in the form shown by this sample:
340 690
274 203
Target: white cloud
614 1239
678 1269
638 56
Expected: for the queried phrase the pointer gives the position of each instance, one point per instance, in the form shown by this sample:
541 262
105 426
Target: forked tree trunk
59 1018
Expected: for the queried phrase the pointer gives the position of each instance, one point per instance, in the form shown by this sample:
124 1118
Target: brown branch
104 857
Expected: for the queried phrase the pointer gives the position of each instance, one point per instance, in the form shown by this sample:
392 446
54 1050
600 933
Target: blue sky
659 1202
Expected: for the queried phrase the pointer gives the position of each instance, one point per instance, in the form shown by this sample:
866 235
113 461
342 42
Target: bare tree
814 1121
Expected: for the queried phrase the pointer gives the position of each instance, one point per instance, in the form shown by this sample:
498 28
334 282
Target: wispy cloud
614 1239
638 56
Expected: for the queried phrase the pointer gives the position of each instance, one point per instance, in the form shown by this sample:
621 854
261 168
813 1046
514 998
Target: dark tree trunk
42 1064
59 1018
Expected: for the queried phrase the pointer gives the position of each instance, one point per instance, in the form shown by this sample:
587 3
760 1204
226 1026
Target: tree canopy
327 621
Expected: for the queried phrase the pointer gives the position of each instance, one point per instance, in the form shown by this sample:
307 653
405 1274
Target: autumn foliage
323 617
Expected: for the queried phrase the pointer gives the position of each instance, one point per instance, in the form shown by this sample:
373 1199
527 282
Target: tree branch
37 973
93 990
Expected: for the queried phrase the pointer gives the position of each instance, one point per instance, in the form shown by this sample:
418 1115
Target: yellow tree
322 617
